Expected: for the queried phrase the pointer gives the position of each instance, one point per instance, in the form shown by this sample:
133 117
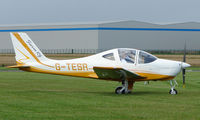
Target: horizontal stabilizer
18 66
115 73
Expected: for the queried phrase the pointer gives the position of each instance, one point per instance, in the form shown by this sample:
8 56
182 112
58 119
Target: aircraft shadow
137 93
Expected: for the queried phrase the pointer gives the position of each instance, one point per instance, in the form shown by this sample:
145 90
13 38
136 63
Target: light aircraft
122 64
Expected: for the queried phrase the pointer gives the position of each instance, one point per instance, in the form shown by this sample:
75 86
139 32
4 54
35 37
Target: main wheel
173 92
118 90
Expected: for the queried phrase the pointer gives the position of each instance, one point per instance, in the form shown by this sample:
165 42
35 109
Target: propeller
183 69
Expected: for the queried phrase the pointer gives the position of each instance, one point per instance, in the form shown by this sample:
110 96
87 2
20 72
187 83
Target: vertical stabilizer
25 50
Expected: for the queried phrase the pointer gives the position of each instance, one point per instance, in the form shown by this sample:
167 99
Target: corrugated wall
46 38
150 36
131 34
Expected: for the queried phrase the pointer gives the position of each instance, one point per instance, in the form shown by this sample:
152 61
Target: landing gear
122 89
146 83
173 91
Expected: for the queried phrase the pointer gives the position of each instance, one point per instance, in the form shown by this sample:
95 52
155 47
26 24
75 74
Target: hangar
107 35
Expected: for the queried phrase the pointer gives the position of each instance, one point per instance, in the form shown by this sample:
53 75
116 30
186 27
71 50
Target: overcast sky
64 11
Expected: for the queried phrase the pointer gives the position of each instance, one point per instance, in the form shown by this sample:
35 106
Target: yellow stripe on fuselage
152 76
91 74
88 74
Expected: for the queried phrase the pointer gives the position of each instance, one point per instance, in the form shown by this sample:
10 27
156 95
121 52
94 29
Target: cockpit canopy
145 57
129 56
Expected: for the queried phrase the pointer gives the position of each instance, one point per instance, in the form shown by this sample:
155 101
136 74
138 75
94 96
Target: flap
115 73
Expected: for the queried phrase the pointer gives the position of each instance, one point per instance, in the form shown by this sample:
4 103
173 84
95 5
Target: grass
5 68
34 96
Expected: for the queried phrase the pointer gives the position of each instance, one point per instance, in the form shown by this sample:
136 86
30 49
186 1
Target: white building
129 34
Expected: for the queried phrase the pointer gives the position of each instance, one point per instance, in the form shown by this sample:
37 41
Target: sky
72 11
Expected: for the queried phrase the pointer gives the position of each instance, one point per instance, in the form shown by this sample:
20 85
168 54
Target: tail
25 50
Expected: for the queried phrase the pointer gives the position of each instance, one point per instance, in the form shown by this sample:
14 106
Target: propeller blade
183 69
184 55
183 73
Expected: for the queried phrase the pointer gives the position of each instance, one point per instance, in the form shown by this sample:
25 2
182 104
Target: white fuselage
159 68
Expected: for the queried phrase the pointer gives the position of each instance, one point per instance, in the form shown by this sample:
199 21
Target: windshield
145 57
127 55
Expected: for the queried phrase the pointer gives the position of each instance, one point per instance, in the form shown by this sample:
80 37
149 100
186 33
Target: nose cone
185 65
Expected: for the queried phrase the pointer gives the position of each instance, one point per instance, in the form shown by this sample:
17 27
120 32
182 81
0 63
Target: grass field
34 96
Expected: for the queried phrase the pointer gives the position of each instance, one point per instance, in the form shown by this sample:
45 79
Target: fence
177 52
93 51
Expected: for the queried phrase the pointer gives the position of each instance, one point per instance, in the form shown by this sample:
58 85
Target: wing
115 73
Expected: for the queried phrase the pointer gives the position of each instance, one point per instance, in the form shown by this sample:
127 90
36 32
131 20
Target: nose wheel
173 91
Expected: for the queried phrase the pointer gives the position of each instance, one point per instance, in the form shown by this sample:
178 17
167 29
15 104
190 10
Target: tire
173 92
117 90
